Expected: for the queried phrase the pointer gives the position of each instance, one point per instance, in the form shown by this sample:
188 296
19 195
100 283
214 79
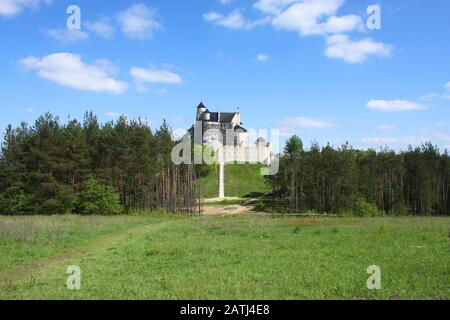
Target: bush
16 202
52 206
362 208
96 198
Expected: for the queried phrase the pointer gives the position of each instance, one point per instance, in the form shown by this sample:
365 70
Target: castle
225 130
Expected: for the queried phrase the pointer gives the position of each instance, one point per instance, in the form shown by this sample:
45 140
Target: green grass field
233 257
240 180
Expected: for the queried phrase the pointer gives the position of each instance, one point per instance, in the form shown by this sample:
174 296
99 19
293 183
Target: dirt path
227 210
230 209
9 276
213 206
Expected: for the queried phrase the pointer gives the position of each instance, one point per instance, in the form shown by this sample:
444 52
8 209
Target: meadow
223 257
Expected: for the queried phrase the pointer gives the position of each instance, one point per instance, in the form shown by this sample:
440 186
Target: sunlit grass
247 257
241 180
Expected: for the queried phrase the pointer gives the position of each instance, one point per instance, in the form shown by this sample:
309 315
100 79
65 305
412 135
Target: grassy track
233 257
29 239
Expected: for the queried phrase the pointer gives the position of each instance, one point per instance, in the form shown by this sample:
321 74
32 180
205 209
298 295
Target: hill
241 180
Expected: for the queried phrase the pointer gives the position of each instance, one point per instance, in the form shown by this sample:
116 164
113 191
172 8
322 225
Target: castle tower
201 109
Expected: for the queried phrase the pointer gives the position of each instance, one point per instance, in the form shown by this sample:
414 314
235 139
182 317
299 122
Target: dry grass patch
303 222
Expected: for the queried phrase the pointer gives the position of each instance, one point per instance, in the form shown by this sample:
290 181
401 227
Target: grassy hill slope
240 180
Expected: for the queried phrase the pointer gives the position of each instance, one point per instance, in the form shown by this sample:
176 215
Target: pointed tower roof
201 105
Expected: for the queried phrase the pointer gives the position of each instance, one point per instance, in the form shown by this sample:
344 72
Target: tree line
345 180
86 167
125 166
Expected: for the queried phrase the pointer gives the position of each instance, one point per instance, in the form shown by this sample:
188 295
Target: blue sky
310 67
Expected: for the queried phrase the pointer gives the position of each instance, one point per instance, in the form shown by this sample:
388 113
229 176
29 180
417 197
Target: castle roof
239 127
224 117
201 105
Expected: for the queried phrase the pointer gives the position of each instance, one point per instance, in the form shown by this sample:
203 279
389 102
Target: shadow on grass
254 195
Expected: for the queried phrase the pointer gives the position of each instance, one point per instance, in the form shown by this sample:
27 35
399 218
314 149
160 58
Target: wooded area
87 167
345 180
124 166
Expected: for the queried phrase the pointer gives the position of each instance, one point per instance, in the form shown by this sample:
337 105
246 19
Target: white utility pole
222 180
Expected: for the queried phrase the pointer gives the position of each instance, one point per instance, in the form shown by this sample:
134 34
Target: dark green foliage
15 202
97 199
362 208
47 168
366 183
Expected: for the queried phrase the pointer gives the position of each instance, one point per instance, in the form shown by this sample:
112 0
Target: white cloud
10 8
379 140
355 51
139 22
340 24
152 75
272 6
394 105
263 57
395 141
428 97
431 96
29 110
303 122
234 20
67 36
414 140
112 114
291 126
386 128
69 70
107 66
443 137
155 76
305 17
101 27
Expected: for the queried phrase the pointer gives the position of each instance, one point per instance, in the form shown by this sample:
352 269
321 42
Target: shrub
362 208
52 206
96 198
16 202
